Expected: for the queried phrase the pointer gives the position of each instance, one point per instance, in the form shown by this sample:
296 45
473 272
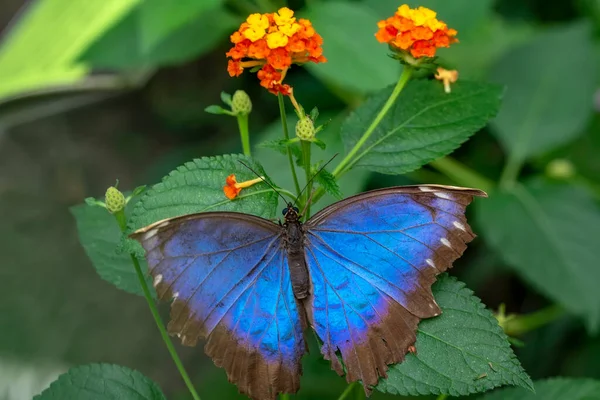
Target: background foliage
93 90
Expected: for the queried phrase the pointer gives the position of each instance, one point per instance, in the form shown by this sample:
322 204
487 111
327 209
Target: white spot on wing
427 189
443 195
157 279
445 242
175 295
150 234
459 226
429 262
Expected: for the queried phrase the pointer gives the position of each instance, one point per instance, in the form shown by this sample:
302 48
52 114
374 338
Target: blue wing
228 276
372 260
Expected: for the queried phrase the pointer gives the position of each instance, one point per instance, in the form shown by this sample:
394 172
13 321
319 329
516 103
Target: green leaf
329 183
549 97
102 382
546 232
552 389
226 98
197 186
158 19
218 110
39 52
319 143
455 349
424 124
101 238
355 60
122 47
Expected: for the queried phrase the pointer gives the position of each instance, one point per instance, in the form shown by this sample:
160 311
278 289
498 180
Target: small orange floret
446 76
417 31
232 188
274 41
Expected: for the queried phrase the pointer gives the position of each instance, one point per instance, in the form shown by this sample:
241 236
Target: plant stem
350 159
306 161
284 396
286 136
347 391
522 324
511 170
442 397
462 174
121 220
244 133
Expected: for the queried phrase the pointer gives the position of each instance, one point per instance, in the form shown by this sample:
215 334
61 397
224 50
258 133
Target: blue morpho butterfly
359 272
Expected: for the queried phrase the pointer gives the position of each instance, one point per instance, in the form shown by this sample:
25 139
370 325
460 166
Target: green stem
347 391
306 161
462 174
511 170
442 397
284 396
522 324
350 158
286 136
120 216
244 133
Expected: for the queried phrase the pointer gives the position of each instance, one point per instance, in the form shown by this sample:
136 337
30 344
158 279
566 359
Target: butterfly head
291 213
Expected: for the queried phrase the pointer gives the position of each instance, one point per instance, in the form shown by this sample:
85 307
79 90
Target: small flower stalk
447 77
414 35
271 43
232 188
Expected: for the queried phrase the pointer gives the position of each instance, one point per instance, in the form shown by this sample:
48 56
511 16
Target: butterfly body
293 242
359 273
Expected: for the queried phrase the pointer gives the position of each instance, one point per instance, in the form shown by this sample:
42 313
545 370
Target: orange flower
232 188
416 31
274 41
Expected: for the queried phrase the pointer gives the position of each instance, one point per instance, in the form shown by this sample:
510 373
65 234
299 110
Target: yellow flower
276 39
284 16
289 29
258 21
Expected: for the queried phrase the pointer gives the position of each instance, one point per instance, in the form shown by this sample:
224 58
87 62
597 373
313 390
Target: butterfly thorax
294 245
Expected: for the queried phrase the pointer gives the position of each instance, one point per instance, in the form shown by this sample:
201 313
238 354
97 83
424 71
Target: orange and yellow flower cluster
415 30
274 41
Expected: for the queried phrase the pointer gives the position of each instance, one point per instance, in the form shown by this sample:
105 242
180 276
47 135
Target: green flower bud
305 129
241 103
115 201
560 169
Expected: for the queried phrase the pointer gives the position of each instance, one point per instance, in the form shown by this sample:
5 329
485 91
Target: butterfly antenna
265 181
312 178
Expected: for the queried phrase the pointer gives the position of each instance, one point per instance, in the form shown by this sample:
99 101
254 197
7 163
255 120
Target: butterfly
359 272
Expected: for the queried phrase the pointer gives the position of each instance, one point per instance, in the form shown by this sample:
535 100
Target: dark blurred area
136 122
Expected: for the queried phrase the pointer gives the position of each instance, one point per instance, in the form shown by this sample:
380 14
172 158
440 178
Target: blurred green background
91 91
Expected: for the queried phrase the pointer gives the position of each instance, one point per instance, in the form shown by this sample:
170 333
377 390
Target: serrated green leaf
282 146
549 97
552 389
547 233
455 349
319 143
360 64
122 48
197 186
329 183
101 238
158 19
424 124
102 382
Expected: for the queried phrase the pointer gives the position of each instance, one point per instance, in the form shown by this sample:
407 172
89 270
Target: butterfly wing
228 276
372 260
